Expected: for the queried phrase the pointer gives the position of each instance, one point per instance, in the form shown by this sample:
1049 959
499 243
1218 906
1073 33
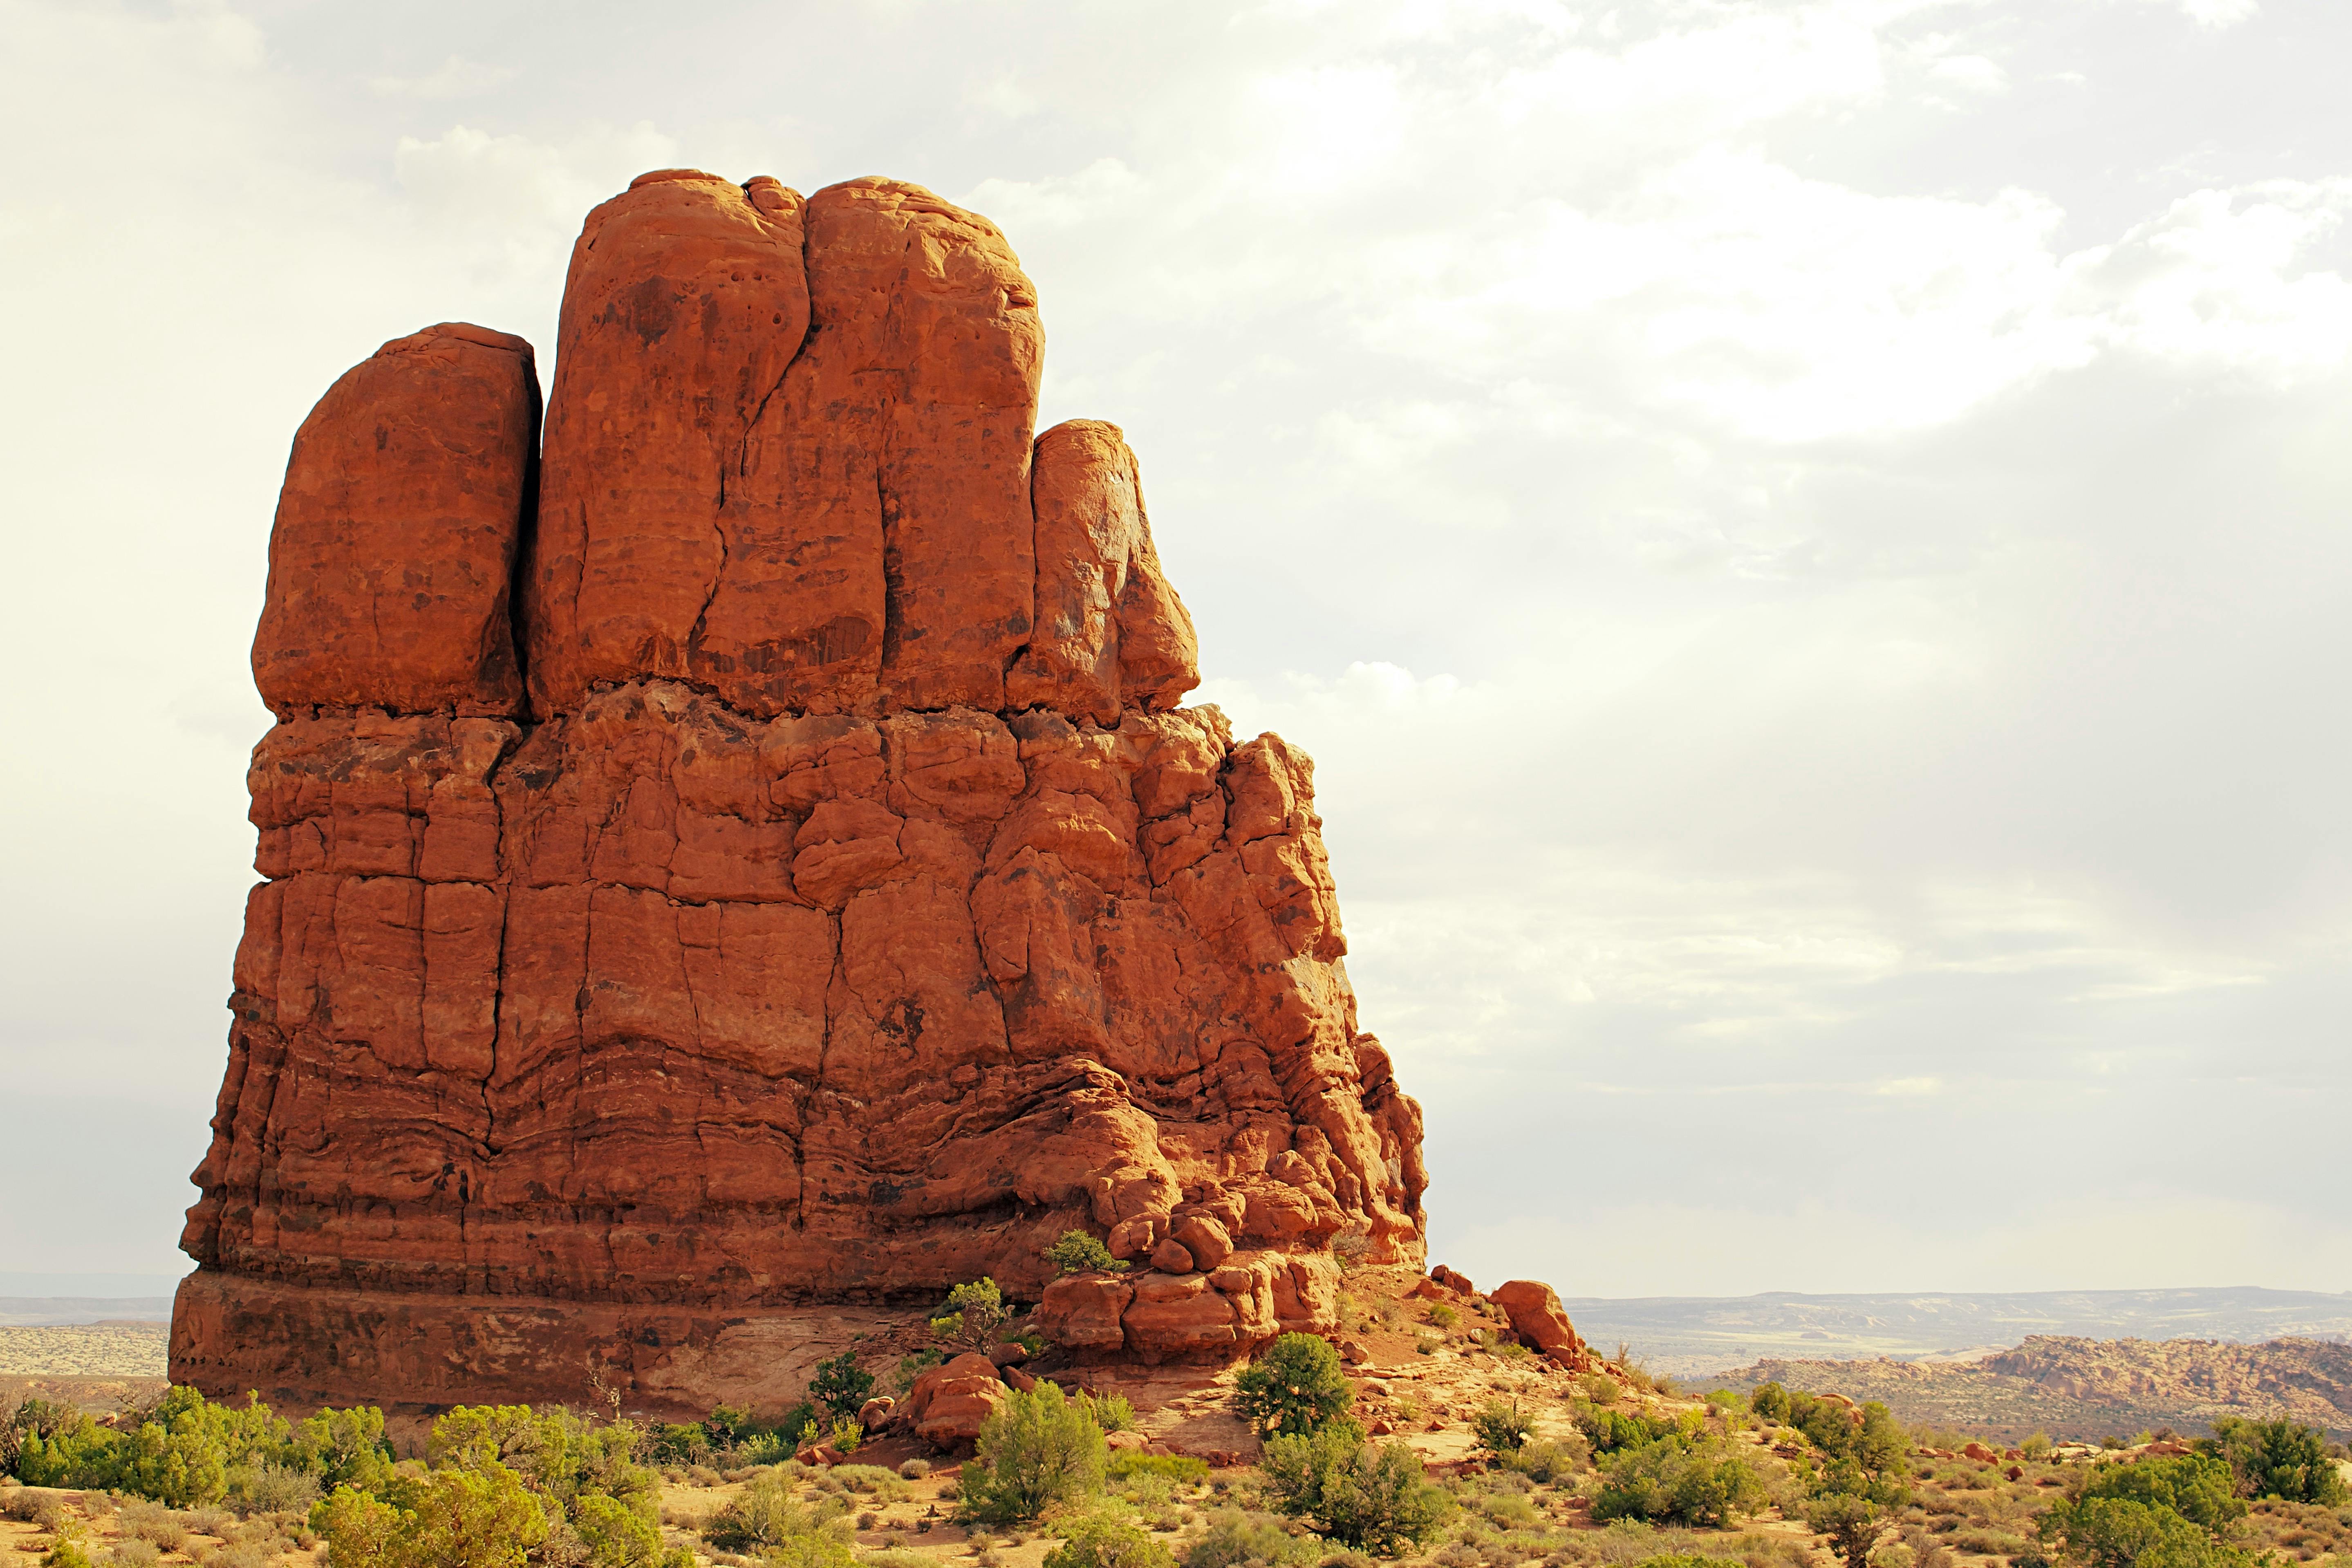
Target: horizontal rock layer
748 853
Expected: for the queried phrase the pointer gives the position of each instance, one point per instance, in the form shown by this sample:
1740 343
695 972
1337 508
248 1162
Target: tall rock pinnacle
746 860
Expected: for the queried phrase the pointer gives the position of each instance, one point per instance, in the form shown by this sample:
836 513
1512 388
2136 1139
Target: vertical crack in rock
760 858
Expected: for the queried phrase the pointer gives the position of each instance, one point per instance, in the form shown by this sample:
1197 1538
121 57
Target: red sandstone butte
745 865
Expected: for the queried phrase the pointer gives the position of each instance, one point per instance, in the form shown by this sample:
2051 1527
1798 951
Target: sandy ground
87 1350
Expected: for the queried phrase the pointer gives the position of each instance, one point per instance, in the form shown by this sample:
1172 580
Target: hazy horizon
1807 541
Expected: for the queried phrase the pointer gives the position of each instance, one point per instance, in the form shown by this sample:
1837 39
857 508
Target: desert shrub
343 1448
2123 1533
972 1316
482 1517
1665 1482
1035 1449
1348 1492
133 1553
1294 1388
870 1479
2199 1487
1080 1253
1543 1461
1502 1426
35 1509
1349 1249
2277 1459
1598 1388
1853 1524
1442 1316
1678 1560
1769 1400
256 1486
2036 1448
1111 1412
1102 1541
1610 1431
68 1548
154 1523
764 1516
613 1534
1178 1470
678 1443
915 1469
839 1387
1234 1539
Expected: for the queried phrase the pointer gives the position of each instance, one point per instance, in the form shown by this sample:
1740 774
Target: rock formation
746 859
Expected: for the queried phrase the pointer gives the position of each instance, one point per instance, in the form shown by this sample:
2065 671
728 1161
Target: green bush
764 1517
480 1518
2199 1487
2277 1459
2036 1448
1443 1316
68 1548
1294 1388
1102 1541
1771 1400
1080 1253
1234 1539
1111 1412
1178 1470
1665 1482
1852 1523
1502 1426
344 1448
972 1316
1612 1431
2123 1533
839 1388
680 1443
1378 1499
257 1486
1035 1449
1543 1461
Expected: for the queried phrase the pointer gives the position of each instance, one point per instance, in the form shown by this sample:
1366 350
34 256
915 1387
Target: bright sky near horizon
1811 542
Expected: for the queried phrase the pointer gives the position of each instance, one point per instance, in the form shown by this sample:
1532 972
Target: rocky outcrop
750 854
1541 1321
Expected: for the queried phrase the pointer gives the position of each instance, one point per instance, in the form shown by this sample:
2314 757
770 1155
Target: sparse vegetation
1294 1389
1080 1253
1374 1499
1036 1449
839 1387
973 1317
1105 1541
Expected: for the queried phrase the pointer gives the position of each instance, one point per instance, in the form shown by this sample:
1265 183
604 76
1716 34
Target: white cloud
456 77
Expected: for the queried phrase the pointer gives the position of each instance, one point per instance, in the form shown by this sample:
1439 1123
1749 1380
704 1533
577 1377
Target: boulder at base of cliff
948 1403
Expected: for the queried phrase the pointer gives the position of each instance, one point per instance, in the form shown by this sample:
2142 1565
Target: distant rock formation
2070 1386
748 855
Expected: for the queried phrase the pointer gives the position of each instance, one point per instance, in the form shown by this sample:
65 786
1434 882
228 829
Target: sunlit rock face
746 855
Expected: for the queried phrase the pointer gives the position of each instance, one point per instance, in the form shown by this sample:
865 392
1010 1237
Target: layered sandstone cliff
746 857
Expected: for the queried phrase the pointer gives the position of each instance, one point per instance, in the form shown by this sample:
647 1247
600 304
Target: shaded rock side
824 899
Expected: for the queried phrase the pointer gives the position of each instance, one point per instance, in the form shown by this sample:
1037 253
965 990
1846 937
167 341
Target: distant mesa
737 858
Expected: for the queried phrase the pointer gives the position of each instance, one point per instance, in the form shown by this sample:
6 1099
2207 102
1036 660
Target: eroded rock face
810 891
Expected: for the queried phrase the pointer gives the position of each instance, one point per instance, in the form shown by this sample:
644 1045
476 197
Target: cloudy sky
1808 541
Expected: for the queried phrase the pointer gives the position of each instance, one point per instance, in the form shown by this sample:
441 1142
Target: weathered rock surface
948 1403
778 874
393 551
1539 1319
